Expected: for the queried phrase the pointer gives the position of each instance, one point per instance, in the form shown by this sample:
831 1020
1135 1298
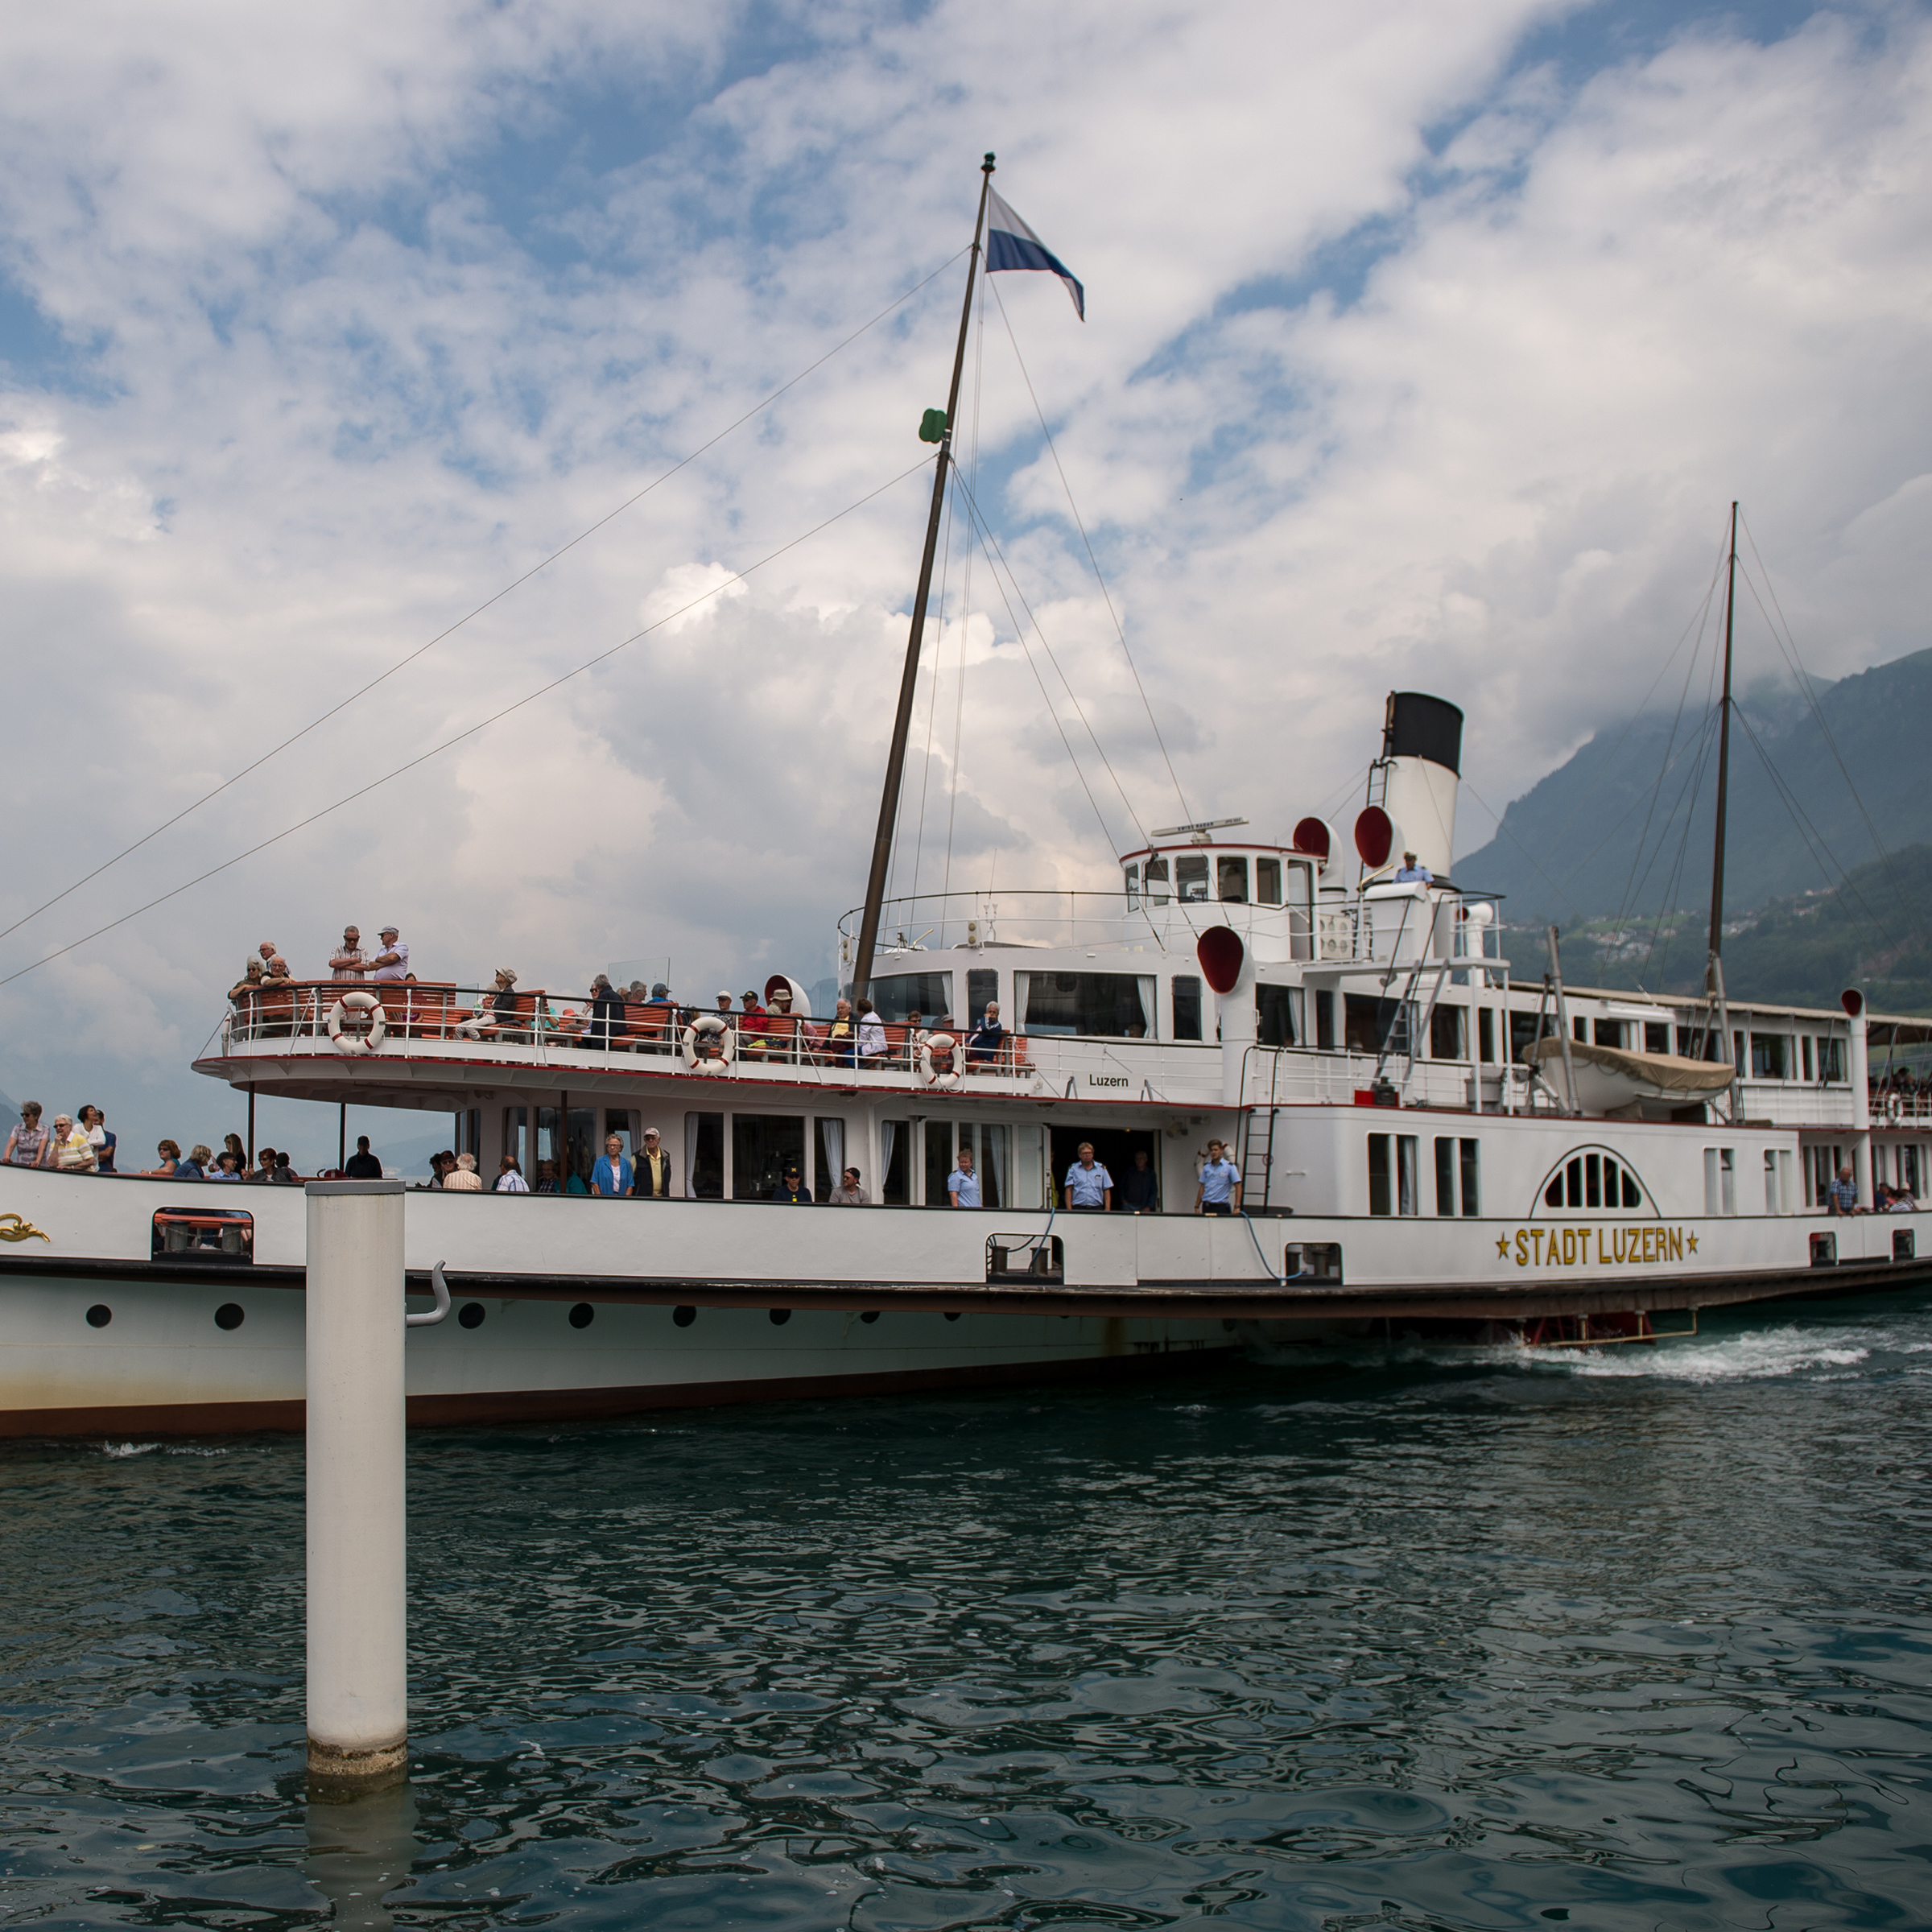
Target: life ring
1894 1108
930 1075
357 1043
721 1047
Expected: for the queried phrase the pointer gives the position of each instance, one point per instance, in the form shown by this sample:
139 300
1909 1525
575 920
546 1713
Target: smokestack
1417 777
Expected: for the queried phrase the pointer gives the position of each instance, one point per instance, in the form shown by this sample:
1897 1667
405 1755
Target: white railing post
357 1706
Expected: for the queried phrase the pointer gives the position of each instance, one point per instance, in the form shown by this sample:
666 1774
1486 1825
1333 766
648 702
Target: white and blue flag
1011 244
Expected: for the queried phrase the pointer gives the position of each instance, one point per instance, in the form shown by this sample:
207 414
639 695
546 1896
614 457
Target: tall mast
1714 969
901 723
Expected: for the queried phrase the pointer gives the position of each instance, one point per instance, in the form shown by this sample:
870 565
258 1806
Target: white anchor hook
440 1289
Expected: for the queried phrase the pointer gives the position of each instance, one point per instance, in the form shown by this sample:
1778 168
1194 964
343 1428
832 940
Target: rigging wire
1186 813
450 630
471 731
995 553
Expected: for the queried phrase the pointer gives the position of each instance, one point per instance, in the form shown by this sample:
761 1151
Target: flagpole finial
986 166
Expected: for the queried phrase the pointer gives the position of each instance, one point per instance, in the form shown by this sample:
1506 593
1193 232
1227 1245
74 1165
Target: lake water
1410 1637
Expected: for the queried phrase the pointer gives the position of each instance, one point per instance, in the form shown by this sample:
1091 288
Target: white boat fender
357 1043
709 1044
930 1074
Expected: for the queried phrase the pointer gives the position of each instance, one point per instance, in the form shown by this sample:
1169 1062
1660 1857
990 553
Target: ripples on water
1413 1638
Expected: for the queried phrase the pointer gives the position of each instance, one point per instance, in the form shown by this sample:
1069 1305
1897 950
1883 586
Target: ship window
1471 1164
1580 1031
1720 1181
1187 1006
1522 1035
1156 882
1367 1021
1485 1034
1657 1037
203 1234
1458 1164
1770 1180
1267 883
1610 1032
929 994
1087 1003
1324 1021
1830 1060
1807 1048
1770 1057
1378 1202
704 1156
763 1146
1394 1184
1231 881
1133 886
1274 1015
982 990
1191 876
1449 1033
1597 1179
892 1159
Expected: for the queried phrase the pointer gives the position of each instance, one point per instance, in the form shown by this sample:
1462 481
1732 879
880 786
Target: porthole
471 1315
780 1317
582 1315
871 1314
683 1317
952 1318
99 1315
230 1314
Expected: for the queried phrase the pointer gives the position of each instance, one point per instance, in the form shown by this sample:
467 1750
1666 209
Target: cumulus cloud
1414 358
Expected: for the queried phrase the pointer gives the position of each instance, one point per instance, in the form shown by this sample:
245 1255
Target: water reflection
359 1851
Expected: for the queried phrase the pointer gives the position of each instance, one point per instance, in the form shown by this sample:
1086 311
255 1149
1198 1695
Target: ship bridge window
1594 1177
1191 876
1231 881
1770 1057
982 991
1831 1059
1657 1037
1267 883
1133 886
1611 1033
1275 1012
928 994
1156 882
1118 1004
1186 1007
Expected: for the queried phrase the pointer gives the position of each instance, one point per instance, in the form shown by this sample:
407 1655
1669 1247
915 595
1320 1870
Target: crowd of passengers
753 1028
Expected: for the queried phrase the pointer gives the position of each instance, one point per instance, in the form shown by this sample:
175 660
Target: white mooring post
358 1715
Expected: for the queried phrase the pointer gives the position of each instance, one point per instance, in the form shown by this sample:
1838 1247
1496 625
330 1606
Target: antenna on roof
1169 832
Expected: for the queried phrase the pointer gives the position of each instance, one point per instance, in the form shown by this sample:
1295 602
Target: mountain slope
1566 849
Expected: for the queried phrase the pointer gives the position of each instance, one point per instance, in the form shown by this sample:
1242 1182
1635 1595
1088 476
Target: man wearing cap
1409 873
848 1193
392 962
791 1189
653 1183
751 1027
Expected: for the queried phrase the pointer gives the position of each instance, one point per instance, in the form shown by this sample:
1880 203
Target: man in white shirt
962 1184
509 1177
392 962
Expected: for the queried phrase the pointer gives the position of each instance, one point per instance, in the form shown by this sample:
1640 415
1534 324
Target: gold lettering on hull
1591 1246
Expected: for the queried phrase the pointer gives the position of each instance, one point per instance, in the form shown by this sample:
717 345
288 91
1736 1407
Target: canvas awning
1666 1072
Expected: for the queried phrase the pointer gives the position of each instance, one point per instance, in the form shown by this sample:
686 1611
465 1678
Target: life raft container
352 1042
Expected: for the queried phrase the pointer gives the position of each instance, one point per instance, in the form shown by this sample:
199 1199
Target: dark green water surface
1408 1638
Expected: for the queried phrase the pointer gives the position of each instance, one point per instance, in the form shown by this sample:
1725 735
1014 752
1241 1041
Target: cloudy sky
1425 346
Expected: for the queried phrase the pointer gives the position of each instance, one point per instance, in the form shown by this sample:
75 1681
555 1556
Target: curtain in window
831 1139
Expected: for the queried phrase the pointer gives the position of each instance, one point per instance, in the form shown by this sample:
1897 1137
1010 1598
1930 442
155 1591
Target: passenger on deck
546 1177
171 1162
439 1165
194 1167
1140 1186
227 1168
1220 1191
465 1179
1089 1186
660 1016
362 1164
233 1145
605 1021
781 1029
962 1184
392 962
267 949
873 1048
791 1190
494 1008
285 1169
249 981
837 1038
73 1152
848 1193
349 960
653 1181
265 1169
30 1145
509 1177
1843 1197
983 1049
751 1042
613 1175
1409 872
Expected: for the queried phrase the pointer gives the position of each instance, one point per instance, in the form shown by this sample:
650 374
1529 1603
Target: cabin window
468 1130
1029 1166
1908 1170
928 994
1324 1021
893 1136
1274 1015
1657 1037
1367 1021
1457 1171
1392 1174
1231 881
704 1156
1831 1059
1579 1030
1115 1004
1806 1048
1522 1035
1485 1034
1610 1032
1156 882
982 991
1186 1007
1770 1180
1133 887
1267 883
1191 876
1720 1181
1449 1033
763 1146
1770 1057
1737 1053
938 1163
